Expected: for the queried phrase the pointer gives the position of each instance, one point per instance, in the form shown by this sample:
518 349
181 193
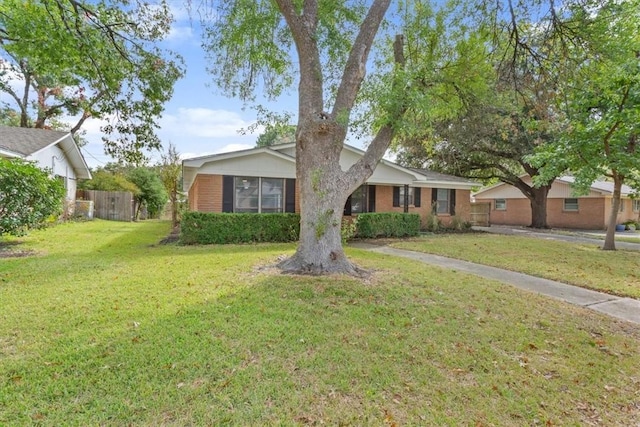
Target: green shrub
459 224
221 228
391 224
432 223
28 196
348 229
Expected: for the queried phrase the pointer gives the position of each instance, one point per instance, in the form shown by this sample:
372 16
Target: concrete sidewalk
622 308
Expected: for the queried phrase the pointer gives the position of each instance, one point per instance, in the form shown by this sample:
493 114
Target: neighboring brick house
263 180
564 209
52 150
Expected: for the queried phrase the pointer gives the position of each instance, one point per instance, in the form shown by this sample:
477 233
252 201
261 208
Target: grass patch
105 327
580 264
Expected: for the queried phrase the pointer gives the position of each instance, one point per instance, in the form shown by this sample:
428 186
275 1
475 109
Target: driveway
574 236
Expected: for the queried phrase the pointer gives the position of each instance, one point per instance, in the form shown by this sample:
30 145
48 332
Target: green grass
580 264
105 327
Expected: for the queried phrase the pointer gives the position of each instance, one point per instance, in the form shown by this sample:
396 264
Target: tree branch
355 68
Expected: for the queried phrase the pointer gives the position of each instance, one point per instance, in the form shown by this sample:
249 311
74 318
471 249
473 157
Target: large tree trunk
538 202
320 135
610 238
323 193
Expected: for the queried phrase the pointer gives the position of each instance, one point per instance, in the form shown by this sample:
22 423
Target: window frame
635 205
447 202
412 194
570 209
503 203
239 182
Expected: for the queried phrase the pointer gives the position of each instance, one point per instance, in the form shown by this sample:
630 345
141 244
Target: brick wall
384 203
205 194
590 214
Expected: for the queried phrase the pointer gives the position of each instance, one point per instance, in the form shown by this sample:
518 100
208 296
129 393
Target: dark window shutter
290 195
347 207
227 193
416 197
434 200
372 198
396 197
452 201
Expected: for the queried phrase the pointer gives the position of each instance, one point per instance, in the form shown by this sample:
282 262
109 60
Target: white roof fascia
386 162
445 184
11 154
72 152
197 162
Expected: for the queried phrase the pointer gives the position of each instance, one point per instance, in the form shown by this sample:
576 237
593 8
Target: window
409 194
621 205
570 205
272 195
406 196
258 195
247 194
443 200
359 200
636 205
500 204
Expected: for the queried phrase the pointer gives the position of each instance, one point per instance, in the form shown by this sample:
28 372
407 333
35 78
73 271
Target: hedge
220 228
391 224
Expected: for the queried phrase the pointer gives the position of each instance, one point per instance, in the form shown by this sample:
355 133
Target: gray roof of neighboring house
26 141
602 186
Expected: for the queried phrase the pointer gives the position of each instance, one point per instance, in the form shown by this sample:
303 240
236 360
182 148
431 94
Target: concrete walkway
622 308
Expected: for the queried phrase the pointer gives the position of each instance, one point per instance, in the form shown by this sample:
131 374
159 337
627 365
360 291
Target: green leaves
95 59
28 196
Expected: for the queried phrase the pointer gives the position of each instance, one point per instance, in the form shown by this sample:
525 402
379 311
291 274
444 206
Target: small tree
152 193
170 170
28 196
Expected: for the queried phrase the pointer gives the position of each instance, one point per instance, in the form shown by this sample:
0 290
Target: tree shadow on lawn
11 249
300 350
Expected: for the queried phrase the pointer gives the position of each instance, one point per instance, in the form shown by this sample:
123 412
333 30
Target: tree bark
324 186
610 237
538 202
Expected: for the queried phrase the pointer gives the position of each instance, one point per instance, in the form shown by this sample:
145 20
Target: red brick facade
592 213
205 195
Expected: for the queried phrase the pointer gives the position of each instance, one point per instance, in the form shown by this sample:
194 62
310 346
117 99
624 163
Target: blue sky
197 120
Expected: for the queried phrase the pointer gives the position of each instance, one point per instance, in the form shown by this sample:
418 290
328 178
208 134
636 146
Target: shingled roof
26 141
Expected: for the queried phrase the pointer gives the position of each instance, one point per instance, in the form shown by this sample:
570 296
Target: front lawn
103 326
580 264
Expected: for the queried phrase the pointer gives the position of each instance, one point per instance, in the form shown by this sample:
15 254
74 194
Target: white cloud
179 33
204 123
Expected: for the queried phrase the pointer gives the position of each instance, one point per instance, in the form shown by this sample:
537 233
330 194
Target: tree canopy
600 99
79 59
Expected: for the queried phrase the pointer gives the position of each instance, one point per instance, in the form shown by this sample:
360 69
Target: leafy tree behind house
28 196
276 134
89 59
600 100
152 194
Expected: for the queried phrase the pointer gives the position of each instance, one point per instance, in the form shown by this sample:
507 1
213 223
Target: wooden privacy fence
480 214
112 205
